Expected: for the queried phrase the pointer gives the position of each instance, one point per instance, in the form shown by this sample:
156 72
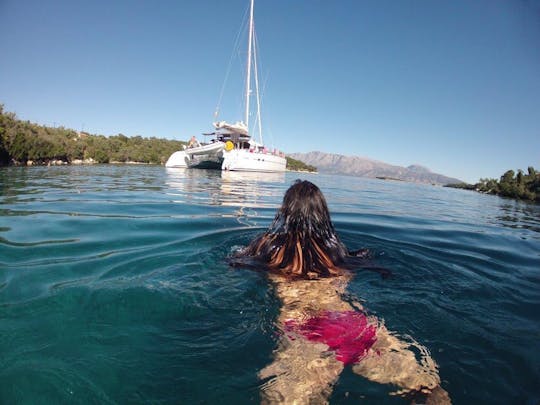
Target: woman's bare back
304 371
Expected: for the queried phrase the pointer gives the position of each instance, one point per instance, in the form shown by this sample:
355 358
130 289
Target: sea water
114 286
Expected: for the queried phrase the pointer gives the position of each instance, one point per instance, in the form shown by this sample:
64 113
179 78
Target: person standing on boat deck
321 333
193 142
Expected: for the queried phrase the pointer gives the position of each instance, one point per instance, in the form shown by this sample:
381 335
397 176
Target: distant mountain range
364 167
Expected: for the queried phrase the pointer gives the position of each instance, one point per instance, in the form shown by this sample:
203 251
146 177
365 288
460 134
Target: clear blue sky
452 85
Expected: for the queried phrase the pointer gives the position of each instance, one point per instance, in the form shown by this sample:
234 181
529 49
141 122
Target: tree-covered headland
26 143
299 166
23 142
511 184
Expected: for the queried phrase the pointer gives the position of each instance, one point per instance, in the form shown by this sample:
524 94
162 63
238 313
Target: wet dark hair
302 241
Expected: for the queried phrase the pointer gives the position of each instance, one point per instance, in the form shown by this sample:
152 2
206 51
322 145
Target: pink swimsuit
347 333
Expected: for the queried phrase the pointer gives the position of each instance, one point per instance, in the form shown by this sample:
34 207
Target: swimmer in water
321 332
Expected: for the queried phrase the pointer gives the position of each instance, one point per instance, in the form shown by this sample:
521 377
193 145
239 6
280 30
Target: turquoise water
114 288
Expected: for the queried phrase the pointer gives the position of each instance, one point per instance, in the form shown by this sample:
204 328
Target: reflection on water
237 189
251 190
519 215
193 186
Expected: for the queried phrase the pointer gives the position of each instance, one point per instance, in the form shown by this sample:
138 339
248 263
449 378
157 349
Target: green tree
4 154
519 177
18 147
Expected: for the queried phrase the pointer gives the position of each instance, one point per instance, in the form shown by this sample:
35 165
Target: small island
518 185
295 165
23 143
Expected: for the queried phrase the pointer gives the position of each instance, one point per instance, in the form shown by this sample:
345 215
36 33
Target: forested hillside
511 184
23 142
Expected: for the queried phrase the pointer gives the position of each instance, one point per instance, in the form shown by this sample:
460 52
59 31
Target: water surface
114 288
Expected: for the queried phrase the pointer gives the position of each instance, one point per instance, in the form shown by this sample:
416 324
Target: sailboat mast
256 70
248 74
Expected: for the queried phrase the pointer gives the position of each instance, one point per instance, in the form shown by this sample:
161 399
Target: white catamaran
232 147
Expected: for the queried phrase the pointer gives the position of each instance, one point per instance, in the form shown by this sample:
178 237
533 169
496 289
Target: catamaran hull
205 162
177 159
244 160
200 157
